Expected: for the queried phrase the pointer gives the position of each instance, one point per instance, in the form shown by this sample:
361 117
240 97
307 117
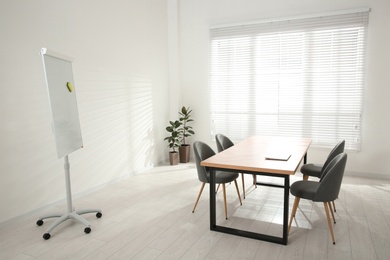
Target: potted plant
173 141
185 130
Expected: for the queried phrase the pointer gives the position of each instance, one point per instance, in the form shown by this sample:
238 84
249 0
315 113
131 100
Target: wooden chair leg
243 185
329 224
254 180
238 191
293 212
334 206
331 211
200 193
224 198
217 188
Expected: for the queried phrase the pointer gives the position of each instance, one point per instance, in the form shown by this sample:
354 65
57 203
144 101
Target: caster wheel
99 215
46 236
40 222
87 230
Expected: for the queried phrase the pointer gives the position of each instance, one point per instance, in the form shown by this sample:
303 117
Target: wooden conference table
277 157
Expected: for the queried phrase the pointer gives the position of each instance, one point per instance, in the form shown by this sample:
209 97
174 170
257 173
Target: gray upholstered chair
202 152
326 190
316 170
223 142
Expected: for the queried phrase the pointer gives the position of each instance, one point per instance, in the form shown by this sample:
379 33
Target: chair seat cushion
305 189
225 177
311 169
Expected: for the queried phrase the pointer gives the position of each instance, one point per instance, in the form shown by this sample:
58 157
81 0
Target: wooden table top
251 155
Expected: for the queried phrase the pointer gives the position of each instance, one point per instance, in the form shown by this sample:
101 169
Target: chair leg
329 224
238 191
200 193
254 180
243 185
294 211
334 206
219 184
331 211
224 198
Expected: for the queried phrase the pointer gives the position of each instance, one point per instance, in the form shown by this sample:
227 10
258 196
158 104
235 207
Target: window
300 77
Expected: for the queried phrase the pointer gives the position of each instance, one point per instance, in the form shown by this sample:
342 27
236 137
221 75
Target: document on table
278 155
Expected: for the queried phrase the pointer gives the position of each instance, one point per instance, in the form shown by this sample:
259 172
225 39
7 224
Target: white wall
196 17
120 51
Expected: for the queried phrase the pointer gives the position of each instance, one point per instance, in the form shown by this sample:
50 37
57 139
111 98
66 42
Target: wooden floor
149 217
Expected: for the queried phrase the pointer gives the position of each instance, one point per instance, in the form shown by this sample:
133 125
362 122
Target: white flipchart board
63 103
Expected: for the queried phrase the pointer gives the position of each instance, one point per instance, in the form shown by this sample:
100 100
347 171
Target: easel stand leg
71 214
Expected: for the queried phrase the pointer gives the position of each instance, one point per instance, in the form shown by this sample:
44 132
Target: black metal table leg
212 200
285 208
279 240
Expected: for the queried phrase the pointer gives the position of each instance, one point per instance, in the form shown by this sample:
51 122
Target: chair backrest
330 182
223 142
202 151
339 148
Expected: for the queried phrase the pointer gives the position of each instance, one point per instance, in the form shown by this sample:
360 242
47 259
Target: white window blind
300 77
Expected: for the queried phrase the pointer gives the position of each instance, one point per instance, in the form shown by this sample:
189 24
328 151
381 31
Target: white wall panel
120 69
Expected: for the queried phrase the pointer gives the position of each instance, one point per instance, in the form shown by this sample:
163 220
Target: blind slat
301 77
